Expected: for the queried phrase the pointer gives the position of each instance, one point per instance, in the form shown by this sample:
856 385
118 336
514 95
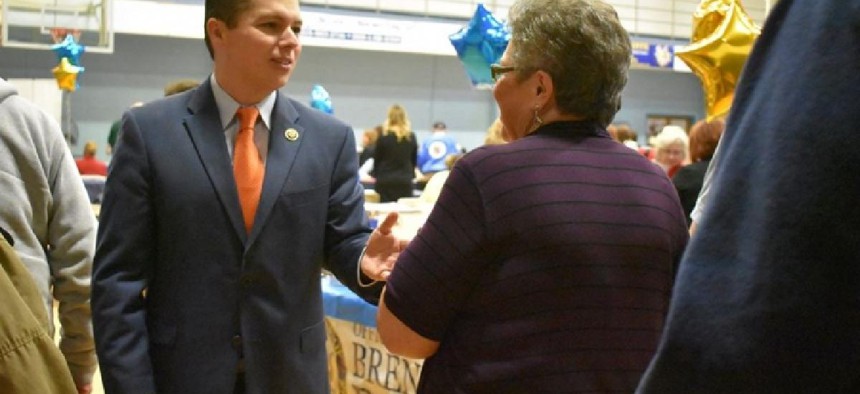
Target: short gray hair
670 135
581 44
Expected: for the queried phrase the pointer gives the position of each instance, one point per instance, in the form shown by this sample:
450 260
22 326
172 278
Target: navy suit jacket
171 223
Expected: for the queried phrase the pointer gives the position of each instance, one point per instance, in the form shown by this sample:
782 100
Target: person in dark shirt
546 264
704 136
115 128
766 299
395 156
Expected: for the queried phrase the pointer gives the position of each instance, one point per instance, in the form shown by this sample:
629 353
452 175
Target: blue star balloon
321 100
69 49
480 44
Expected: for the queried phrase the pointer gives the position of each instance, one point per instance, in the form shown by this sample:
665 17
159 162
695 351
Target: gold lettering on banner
370 369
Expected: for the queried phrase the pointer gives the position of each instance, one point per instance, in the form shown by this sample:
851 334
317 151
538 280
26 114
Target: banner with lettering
358 362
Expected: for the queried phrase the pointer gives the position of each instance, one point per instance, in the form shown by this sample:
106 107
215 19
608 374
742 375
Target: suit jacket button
237 342
246 280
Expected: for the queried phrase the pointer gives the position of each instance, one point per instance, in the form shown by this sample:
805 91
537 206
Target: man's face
257 55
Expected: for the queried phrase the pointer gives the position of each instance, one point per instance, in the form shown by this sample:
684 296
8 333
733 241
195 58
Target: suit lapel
280 160
204 128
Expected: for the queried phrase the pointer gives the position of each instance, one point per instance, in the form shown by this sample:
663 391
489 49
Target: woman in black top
395 157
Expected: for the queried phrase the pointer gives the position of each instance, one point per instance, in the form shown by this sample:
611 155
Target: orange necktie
248 167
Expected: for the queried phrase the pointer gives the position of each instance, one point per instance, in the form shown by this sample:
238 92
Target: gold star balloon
723 36
66 75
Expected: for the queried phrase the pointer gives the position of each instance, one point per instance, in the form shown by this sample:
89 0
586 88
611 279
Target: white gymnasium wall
41 91
362 85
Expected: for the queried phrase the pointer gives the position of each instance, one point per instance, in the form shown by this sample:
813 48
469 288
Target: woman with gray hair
546 263
671 148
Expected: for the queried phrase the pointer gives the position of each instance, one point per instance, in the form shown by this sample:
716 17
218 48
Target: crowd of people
684 156
558 257
407 167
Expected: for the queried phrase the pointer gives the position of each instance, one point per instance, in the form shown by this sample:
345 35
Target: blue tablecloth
341 303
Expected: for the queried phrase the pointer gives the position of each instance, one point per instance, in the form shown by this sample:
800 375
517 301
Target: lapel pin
291 134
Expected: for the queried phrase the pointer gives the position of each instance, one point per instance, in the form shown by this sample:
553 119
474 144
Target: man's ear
215 28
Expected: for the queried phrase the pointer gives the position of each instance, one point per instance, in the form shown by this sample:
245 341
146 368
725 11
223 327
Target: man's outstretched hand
382 251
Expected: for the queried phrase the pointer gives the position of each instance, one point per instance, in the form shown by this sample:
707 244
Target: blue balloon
70 49
480 44
321 100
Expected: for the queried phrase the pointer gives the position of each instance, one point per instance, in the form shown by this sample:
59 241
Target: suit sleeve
346 228
125 254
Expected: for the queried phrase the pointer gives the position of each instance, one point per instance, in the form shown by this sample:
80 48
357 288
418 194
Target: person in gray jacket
45 208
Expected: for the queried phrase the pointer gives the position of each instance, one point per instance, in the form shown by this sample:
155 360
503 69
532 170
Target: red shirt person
89 165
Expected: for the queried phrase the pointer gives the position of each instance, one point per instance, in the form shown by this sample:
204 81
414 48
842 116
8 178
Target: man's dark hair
224 10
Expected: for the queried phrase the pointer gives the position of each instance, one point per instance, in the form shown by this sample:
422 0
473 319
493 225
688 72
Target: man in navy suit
186 299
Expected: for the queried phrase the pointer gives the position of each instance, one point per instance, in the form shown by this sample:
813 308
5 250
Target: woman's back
558 262
394 166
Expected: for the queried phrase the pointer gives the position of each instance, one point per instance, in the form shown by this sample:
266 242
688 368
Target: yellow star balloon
66 75
723 36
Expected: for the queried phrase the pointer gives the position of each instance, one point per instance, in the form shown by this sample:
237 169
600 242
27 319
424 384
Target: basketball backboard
42 23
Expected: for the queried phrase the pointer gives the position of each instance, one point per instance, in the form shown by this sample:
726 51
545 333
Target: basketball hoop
58 34
43 24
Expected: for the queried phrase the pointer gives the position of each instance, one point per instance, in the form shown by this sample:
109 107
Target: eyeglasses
496 71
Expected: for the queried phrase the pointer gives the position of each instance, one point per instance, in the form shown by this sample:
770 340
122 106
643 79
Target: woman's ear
544 87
